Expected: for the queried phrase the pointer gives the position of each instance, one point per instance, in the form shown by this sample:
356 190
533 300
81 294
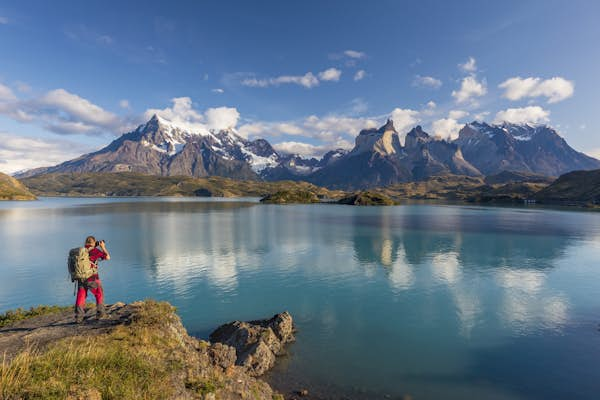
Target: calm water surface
433 301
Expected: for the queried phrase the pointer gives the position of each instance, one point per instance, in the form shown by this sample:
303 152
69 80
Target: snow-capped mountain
379 157
160 147
520 147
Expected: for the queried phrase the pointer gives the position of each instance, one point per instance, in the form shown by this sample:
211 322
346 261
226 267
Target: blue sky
305 75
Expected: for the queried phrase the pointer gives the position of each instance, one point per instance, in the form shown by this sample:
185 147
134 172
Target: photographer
97 251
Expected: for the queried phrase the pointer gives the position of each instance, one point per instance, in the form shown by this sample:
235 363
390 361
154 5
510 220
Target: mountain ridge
378 158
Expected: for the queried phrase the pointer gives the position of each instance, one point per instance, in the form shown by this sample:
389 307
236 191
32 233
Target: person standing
97 251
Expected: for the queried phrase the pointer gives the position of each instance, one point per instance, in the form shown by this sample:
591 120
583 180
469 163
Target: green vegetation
574 188
20 314
134 184
461 188
367 198
131 362
12 189
291 197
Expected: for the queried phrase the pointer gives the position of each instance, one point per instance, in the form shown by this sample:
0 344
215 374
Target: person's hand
102 245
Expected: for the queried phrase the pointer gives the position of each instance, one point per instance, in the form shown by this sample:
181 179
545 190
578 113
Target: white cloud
3 20
481 116
306 150
18 152
531 114
431 104
218 90
222 118
61 112
6 94
23 87
307 80
183 114
469 88
427 81
469 66
446 128
554 89
404 119
124 103
354 54
359 75
79 108
457 114
359 105
331 74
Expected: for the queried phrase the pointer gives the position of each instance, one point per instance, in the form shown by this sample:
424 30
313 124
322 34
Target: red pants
95 286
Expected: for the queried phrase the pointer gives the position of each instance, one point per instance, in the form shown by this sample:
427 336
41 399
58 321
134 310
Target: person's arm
103 248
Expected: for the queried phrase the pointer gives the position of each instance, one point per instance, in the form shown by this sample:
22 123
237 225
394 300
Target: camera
99 241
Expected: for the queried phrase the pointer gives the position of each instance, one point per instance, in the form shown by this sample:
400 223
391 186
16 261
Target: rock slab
257 343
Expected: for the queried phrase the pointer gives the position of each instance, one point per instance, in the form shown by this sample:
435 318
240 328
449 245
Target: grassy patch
20 314
133 361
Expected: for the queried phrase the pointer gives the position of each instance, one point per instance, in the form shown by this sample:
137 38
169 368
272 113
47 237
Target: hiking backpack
79 264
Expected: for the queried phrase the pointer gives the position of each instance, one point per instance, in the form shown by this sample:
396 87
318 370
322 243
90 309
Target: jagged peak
388 126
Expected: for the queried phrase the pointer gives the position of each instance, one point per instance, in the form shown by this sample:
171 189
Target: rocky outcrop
257 343
140 348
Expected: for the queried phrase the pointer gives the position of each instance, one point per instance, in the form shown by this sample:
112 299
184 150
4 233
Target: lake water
434 301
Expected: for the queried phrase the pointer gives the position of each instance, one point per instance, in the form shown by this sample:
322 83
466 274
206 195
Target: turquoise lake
435 301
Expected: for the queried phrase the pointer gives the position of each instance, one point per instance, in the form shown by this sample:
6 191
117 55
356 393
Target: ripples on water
434 301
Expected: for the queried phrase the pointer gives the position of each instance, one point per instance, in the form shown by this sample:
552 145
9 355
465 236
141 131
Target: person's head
90 241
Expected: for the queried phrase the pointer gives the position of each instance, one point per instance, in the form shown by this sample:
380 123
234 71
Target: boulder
257 343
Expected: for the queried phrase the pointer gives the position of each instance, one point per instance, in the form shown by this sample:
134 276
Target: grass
12 316
12 189
133 361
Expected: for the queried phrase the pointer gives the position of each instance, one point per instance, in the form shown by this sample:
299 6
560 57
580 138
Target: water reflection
428 283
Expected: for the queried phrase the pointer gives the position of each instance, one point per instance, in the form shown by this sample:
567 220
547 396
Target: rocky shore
140 351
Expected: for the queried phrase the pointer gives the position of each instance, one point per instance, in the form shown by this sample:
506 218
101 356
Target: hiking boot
101 312
79 314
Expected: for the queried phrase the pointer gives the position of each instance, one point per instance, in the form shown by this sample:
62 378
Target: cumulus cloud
218 90
82 110
124 104
469 66
18 153
222 118
325 133
431 104
427 81
457 114
182 113
470 88
330 74
446 128
61 112
531 114
404 119
305 150
360 75
554 89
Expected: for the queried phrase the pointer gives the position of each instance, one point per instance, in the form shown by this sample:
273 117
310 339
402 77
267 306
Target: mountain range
380 156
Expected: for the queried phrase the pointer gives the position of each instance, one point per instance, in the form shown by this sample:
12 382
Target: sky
307 76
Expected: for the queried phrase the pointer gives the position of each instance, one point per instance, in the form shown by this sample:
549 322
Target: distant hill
581 187
12 189
135 184
518 176
380 156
